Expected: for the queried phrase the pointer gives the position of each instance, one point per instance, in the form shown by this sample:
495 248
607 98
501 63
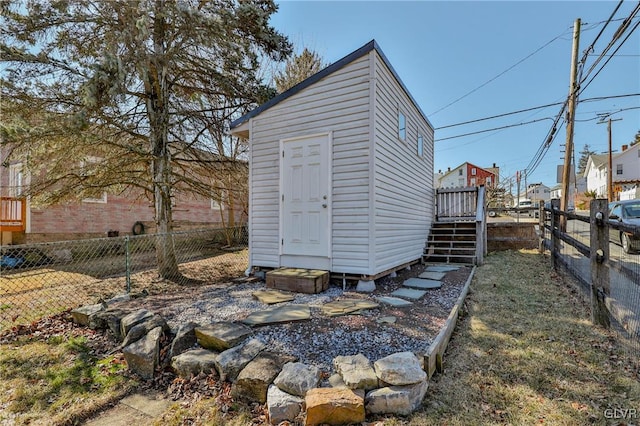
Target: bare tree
298 68
125 83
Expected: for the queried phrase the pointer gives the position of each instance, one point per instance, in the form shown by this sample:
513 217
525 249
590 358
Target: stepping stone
442 268
394 301
409 293
430 275
347 306
287 313
270 297
422 284
386 320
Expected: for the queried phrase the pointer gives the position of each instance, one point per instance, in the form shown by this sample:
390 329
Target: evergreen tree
584 159
130 83
636 139
298 68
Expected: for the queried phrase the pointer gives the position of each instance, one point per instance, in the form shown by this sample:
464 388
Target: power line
499 75
610 57
492 129
599 98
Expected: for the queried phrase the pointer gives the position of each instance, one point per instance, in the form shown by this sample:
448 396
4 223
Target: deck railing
465 204
13 214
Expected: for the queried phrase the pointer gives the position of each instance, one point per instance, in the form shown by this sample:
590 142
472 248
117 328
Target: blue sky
444 50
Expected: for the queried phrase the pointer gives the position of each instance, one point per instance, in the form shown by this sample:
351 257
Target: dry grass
30 295
526 353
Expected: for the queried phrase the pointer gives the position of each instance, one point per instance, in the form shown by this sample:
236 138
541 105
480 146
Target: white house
625 171
341 171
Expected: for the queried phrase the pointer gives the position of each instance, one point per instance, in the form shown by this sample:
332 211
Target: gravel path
320 339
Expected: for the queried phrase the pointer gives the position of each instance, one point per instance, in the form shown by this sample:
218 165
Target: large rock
110 319
356 372
402 368
142 356
185 339
399 400
131 320
282 406
139 330
254 379
194 362
84 314
230 362
297 378
221 335
334 406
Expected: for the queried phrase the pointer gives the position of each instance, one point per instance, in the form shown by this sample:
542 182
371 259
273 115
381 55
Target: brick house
468 174
25 222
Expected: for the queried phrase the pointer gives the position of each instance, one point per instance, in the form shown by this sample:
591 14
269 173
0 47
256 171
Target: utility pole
571 113
610 165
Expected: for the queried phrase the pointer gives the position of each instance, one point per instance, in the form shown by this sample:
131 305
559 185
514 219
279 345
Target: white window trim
402 131
16 179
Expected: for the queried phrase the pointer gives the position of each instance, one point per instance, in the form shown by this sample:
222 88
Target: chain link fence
573 250
42 279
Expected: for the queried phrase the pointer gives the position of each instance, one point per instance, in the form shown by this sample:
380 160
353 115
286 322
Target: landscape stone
185 339
432 275
442 268
334 406
335 381
83 315
282 406
409 293
297 378
399 369
110 319
394 301
139 330
271 297
398 400
133 319
356 371
256 377
422 284
230 362
366 286
142 356
347 306
387 320
221 336
279 314
118 299
194 362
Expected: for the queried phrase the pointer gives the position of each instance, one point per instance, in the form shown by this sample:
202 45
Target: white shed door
305 196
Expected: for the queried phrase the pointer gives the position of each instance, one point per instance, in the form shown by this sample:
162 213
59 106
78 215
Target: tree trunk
156 87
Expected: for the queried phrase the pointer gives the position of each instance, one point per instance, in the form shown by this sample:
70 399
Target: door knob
324 206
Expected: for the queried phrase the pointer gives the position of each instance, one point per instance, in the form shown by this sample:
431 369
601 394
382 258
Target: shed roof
356 54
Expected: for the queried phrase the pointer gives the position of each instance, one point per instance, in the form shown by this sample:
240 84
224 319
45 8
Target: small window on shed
420 145
402 126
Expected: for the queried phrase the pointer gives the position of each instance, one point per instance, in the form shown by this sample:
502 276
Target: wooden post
599 257
555 227
541 227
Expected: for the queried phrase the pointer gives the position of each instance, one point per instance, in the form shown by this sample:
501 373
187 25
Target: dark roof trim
372 45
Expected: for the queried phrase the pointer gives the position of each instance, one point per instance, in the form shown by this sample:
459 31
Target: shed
341 172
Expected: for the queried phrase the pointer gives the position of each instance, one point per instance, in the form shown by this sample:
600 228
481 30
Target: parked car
626 212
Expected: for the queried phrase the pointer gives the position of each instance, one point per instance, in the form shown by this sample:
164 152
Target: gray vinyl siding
339 103
403 180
